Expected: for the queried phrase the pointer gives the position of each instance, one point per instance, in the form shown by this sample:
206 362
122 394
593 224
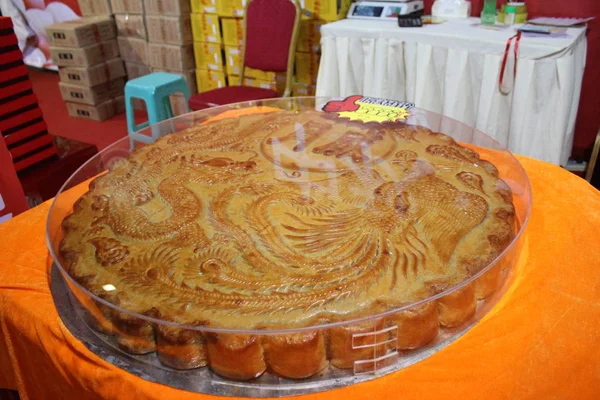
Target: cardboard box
233 80
206 28
175 58
172 30
328 10
208 56
131 25
138 104
264 75
233 31
231 8
188 76
119 105
179 105
167 7
81 32
309 36
127 6
275 85
307 68
94 75
233 60
204 6
302 89
134 50
208 80
92 95
135 70
84 56
99 112
92 8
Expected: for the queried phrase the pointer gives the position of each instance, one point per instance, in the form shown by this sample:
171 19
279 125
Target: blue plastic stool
154 89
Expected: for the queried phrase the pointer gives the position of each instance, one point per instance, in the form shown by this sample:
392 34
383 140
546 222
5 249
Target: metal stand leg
593 159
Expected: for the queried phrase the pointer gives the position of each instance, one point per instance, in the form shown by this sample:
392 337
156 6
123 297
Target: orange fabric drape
539 342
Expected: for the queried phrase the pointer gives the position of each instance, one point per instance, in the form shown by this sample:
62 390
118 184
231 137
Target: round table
539 341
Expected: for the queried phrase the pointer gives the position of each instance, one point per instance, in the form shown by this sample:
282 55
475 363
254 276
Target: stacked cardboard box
208 45
132 38
156 35
95 8
316 13
233 39
326 10
92 75
170 46
218 39
308 52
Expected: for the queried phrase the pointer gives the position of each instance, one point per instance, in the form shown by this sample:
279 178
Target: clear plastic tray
324 354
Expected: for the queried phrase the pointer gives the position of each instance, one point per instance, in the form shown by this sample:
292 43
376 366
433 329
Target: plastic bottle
510 12
488 14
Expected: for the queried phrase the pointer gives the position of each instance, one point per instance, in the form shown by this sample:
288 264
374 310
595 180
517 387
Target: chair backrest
270 34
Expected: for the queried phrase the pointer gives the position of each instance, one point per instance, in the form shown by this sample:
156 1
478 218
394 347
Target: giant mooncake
284 221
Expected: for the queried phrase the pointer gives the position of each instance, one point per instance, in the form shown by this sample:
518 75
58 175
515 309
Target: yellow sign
370 109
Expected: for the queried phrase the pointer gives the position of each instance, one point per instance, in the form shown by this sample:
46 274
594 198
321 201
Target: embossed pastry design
285 221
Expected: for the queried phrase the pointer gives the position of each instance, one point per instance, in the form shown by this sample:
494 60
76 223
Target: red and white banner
30 19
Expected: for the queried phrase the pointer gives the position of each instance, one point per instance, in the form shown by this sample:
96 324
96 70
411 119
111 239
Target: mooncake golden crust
287 220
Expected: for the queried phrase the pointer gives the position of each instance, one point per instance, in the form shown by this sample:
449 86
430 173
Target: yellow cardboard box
233 80
309 37
264 75
231 8
328 10
233 59
307 68
276 85
233 31
208 56
208 80
302 89
205 28
204 6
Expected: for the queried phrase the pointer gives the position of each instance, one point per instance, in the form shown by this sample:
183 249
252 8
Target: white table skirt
453 69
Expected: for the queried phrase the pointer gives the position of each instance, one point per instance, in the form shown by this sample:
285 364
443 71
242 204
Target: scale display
383 10
368 11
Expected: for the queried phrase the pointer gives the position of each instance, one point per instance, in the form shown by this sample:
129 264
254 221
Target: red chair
270 34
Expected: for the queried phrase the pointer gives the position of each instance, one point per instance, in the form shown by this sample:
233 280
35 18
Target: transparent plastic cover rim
217 110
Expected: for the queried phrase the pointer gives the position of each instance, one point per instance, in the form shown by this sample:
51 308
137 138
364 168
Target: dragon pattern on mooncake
286 220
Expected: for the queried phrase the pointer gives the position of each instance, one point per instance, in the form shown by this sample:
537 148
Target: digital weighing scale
384 10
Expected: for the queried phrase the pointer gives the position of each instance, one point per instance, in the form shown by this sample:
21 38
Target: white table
453 69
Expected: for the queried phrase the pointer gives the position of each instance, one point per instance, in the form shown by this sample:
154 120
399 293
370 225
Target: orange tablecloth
540 341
